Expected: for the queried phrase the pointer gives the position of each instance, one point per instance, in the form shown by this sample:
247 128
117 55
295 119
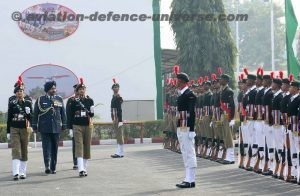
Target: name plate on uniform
83 113
20 117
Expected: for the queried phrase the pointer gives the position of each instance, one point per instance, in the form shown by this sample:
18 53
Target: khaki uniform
82 137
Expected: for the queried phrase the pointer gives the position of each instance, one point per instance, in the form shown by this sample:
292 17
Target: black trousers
50 143
73 151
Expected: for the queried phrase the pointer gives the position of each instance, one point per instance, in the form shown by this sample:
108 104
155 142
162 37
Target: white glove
231 124
71 133
27 110
8 136
92 109
120 124
192 135
210 124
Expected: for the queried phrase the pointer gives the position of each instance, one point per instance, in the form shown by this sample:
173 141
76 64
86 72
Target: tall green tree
203 45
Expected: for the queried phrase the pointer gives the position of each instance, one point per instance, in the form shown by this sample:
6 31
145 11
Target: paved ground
146 170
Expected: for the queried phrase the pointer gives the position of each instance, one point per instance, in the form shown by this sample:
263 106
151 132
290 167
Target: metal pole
272 37
237 2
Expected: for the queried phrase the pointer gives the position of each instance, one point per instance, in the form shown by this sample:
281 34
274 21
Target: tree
202 45
255 38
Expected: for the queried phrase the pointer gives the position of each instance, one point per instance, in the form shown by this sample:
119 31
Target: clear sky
167 34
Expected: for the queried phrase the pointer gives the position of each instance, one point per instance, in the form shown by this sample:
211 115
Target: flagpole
237 2
272 37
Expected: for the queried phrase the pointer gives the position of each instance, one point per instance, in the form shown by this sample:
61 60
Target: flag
291 28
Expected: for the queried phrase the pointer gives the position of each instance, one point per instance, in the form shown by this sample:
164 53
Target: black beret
267 77
16 84
251 77
285 81
115 85
277 81
260 77
295 83
183 76
18 88
48 85
78 86
207 83
225 77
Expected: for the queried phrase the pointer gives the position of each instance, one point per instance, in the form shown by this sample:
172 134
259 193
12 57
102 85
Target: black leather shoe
16 177
259 171
294 180
116 156
53 172
241 167
47 171
274 175
75 167
22 177
85 173
225 162
81 174
249 169
281 178
268 173
186 185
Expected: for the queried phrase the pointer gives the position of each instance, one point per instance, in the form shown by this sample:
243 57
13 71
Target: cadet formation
49 117
262 120
203 118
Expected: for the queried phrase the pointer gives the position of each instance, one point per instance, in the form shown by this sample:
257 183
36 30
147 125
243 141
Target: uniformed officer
80 112
278 129
18 117
242 90
26 97
216 119
267 129
207 133
293 112
49 119
199 122
227 118
249 134
286 154
75 166
258 122
116 116
185 130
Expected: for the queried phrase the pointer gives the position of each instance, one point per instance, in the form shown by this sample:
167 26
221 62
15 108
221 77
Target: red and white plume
220 71
114 80
246 71
200 81
281 75
242 76
205 78
213 77
272 75
81 80
176 69
258 71
20 79
291 77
